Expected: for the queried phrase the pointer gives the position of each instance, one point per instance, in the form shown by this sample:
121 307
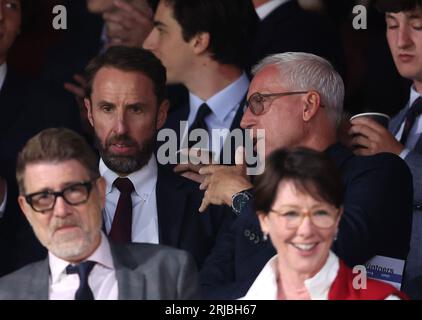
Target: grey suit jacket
413 268
413 159
143 271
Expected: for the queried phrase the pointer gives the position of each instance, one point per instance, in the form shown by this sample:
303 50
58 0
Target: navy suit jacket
376 221
413 273
180 223
290 28
13 134
26 109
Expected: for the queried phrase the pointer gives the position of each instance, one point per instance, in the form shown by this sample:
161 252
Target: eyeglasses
256 101
74 194
321 218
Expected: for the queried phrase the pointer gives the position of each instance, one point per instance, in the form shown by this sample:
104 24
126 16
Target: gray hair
304 71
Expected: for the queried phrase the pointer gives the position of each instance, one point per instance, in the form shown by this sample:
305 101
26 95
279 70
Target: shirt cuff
404 153
3 202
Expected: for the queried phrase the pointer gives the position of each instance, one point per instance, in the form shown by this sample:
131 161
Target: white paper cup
382 118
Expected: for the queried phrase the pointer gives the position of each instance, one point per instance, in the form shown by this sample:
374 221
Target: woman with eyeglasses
298 200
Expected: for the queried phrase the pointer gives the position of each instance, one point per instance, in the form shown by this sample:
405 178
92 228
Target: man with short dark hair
144 202
205 45
62 195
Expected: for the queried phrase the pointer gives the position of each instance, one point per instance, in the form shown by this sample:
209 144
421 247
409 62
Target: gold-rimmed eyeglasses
321 218
256 102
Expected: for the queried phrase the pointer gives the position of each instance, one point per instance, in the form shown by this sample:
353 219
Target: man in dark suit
285 27
204 46
62 195
126 106
403 137
378 189
24 112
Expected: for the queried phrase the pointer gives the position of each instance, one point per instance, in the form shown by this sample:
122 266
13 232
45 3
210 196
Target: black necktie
121 229
414 111
199 122
82 269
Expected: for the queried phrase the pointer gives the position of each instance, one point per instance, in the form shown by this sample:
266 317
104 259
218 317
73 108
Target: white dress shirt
223 105
102 279
265 9
265 285
144 202
416 130
3 71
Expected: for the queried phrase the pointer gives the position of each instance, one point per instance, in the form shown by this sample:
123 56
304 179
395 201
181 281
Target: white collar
144 180
101 255
413 95
318 286
265 9
223 102
3 71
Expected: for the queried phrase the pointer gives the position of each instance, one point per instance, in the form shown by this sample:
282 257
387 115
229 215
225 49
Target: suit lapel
418 147
398 120
170 207
131 284
39 281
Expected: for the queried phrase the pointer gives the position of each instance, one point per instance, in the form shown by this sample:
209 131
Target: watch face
240 201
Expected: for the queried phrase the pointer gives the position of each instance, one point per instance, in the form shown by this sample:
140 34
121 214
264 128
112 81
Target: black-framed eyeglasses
256 101
74 194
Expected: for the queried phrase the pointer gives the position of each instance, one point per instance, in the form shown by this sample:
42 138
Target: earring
335 236
264 236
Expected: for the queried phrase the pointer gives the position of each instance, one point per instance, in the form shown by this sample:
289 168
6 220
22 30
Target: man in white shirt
144 202
205 45
62 195
404 36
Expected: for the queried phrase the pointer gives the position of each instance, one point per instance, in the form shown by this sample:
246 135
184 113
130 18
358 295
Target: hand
222 182
197 158
78 89
373 138
130 24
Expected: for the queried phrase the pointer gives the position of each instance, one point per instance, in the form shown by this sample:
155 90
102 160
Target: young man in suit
126 107
403 137
62 195
204 45
305 94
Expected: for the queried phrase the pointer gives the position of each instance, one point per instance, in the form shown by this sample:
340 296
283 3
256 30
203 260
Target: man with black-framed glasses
297 98
62 195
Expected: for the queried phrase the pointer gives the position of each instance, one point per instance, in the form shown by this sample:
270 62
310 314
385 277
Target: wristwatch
239 201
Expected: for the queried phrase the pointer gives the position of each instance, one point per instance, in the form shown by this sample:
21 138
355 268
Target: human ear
311 103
